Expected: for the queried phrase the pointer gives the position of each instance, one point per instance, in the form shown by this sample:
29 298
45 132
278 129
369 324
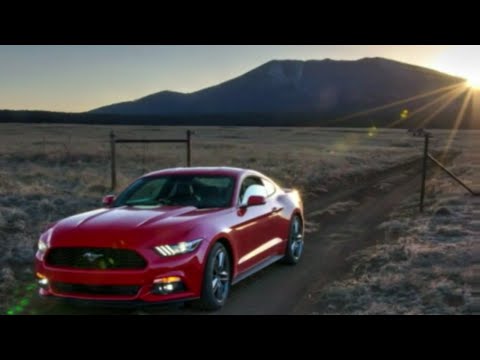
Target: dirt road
338 223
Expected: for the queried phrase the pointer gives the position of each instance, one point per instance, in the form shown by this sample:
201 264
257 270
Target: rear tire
216 279
295 243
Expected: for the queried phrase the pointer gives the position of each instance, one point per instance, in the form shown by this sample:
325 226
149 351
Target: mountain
291 86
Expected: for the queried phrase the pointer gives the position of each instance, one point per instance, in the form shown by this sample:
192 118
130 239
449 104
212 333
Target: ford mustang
173 235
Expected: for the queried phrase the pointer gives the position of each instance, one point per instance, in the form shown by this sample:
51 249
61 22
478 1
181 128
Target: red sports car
173 235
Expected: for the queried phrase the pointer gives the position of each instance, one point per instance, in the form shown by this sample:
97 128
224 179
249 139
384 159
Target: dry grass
52 171
336 208
426 262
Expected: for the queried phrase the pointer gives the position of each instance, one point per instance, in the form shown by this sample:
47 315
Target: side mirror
108 200
256 200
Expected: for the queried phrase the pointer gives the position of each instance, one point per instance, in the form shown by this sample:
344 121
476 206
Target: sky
75 78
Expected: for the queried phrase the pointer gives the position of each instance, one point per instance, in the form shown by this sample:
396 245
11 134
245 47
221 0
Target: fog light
42 281
168 285
167 280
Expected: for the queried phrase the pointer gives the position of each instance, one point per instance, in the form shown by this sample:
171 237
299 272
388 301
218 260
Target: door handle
276 210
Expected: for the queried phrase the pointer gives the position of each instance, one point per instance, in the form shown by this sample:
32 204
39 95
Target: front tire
216 279
295 243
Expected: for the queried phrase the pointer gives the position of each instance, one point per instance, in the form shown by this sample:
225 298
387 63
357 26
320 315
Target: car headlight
180 248
44 241
42 245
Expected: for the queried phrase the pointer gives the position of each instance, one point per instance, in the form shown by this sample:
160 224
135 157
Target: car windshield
179 190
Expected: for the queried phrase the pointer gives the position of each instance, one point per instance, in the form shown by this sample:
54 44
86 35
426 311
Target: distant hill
325 87
294 93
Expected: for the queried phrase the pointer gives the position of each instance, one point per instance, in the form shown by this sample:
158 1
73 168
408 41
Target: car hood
124 226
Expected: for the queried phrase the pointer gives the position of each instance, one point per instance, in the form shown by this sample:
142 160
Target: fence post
424 171
189 148
112 161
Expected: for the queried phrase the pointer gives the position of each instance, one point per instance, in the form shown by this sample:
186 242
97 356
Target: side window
269 187
249 182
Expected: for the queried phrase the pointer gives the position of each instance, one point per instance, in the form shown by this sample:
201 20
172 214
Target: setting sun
474 82
462 61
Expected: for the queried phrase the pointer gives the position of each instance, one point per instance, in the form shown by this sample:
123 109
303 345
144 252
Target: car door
276 223
251 230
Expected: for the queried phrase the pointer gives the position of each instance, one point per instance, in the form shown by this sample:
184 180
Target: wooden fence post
112 161
424 171
189 148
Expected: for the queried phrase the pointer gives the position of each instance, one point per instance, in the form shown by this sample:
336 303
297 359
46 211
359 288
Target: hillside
291 86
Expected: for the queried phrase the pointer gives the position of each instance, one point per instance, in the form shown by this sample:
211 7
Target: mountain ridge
295 86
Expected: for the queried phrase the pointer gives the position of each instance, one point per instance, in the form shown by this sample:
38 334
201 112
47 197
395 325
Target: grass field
49 172
427 263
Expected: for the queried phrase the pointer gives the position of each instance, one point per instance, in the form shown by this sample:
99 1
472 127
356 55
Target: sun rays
423 114
462 61
401 102
443 106
444 100
458 120
473 83
441 99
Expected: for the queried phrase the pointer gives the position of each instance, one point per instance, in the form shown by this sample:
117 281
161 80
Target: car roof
218 170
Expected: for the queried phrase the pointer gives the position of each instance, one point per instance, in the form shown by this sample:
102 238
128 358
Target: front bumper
186 267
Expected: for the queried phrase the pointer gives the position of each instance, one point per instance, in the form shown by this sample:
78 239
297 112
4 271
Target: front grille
119 290
95 258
